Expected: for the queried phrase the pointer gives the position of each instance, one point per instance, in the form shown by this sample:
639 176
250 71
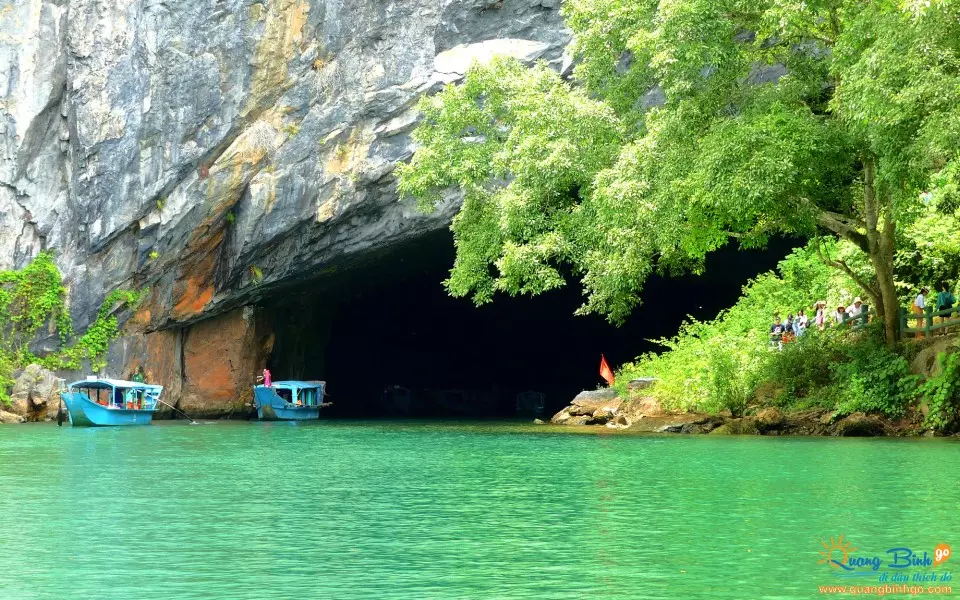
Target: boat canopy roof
289 385
114 383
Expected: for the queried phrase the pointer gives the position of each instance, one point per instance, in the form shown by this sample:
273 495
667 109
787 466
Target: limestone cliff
213 150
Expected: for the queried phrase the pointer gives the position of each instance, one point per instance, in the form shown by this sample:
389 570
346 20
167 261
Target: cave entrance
389 341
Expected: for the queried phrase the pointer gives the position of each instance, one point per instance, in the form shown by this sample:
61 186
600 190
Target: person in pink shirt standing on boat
265 378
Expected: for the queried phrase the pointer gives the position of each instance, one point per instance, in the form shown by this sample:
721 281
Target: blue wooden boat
289 400
103 402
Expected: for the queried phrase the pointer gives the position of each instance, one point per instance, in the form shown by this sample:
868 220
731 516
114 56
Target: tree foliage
521 144
29 299
687 124
929 251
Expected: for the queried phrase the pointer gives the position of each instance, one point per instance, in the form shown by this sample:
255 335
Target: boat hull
271 407
83 412
269 413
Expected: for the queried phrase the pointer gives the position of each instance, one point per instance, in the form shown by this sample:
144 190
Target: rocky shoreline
35 397
604 408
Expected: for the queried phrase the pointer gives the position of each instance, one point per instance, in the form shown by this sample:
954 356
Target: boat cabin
115 393
299 393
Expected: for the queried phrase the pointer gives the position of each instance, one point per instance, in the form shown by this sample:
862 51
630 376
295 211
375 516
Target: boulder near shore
645 414
36 395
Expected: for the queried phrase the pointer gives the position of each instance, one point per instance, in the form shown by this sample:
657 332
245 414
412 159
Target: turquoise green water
445 510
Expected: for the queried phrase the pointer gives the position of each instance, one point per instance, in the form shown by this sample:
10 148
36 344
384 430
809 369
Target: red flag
605 371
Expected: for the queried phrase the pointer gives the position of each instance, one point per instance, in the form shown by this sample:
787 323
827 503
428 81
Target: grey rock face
641 383
215 150
7 418
36 393
591 397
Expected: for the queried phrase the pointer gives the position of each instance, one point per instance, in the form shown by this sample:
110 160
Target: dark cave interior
389 341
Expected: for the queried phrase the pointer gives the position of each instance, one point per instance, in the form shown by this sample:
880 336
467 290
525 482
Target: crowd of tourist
784 332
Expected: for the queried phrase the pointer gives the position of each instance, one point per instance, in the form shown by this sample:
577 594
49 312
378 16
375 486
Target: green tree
930 247
687 124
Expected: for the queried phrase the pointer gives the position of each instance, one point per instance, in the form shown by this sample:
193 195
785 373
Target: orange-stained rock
162 362
208 368
194 289
141 318
221 357
196 295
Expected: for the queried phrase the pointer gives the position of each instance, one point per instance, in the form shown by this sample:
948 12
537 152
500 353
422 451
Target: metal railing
926 319
860 320
926 324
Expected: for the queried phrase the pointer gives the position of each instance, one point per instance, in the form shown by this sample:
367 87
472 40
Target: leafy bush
871 378
6 378
847 370
727 362
942 393
689 372
729 387
29 299
95 342
33 298
802 370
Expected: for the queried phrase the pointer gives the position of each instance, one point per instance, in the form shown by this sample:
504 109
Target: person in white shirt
856 310
840 315
800 325
919 306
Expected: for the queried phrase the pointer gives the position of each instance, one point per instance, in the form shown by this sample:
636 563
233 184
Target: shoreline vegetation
725 374
689 126
643 414
727 366
681 128
719 377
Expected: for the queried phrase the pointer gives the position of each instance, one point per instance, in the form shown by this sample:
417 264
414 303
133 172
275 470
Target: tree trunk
875 234
889 307
884 267
882 241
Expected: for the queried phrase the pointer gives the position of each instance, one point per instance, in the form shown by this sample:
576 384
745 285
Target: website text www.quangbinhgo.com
885 590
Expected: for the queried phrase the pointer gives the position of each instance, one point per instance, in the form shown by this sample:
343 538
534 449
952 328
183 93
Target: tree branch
844 227
871 291
870 208
853 222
